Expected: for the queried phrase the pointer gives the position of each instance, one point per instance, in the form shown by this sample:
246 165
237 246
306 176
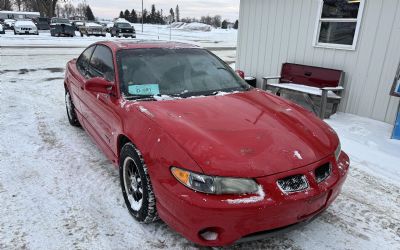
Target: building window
338 24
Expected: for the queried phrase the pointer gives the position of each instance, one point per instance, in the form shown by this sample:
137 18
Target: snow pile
368 144
191 26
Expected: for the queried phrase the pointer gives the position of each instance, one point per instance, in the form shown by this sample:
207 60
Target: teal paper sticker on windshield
144 89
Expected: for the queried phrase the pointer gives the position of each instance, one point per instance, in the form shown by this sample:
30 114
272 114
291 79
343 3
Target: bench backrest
310 75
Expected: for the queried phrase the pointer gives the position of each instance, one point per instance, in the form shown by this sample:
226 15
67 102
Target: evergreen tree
127 15
171 12
158 17
153 14
89 14
121 14
134 16
236 25
224 24
177 18
145 16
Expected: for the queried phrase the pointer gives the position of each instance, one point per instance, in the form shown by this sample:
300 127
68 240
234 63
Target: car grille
323 172
293 183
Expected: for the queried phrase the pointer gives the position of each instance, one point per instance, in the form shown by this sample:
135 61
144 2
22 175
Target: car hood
247 134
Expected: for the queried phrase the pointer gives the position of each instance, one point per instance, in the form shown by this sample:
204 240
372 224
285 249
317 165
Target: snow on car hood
25 24
248 134
93 25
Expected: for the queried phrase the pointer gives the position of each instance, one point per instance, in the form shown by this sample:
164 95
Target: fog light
209 234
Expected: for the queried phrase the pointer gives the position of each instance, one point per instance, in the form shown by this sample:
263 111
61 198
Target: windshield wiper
141 97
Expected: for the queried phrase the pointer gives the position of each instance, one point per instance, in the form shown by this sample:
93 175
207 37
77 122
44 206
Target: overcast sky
228 9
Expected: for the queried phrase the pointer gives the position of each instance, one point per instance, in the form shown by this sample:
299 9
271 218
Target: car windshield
175 72
60 20
124 25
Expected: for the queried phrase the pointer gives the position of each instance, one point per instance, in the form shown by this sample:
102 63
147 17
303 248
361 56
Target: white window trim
332 45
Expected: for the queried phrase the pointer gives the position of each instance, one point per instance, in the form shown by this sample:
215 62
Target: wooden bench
319 86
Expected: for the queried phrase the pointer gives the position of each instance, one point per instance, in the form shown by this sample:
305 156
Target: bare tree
5 5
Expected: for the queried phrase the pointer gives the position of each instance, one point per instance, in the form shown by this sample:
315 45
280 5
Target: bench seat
306 89
320 87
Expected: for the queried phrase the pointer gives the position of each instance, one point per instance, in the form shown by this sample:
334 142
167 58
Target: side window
83 60
101 63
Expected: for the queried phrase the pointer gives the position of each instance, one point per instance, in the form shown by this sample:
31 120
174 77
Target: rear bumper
233 219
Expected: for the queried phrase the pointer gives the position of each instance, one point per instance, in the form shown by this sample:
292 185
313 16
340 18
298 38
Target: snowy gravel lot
58 191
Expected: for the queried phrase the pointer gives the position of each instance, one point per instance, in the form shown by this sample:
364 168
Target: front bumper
127 34
96 33
192 213
26 32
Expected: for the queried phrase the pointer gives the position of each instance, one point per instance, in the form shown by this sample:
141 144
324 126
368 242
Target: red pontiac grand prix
217 160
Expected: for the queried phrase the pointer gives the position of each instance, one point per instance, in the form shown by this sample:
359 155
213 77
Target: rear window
175 72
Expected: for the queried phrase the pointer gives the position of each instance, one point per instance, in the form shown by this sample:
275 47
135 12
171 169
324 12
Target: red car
214 158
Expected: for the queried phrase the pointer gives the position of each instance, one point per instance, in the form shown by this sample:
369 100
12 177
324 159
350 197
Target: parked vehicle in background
2 31
9 24
92 29
25 27
77 24
61 27
106 25
109 27
42 23
123 29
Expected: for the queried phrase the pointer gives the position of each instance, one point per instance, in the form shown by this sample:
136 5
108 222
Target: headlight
338 151
214 184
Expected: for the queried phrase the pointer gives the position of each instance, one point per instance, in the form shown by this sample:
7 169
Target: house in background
360 37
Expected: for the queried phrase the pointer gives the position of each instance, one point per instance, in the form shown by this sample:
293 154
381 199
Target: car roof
146 44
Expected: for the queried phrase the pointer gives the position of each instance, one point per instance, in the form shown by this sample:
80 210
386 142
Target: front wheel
136 186
72 118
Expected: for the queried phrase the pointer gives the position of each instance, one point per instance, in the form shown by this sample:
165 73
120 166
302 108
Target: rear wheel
72 118
136 186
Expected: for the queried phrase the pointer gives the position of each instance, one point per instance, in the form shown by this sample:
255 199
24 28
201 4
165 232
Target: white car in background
2 31
25 27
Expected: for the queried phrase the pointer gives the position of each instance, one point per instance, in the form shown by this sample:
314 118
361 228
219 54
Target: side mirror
99 85
240 73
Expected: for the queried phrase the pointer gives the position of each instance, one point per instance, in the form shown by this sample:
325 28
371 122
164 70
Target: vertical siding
276 31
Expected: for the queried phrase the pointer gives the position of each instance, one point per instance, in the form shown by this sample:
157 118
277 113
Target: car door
100 108
77 78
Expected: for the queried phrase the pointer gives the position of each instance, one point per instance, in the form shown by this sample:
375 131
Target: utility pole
142 17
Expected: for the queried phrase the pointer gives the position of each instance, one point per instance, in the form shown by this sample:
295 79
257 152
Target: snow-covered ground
58 191
213 38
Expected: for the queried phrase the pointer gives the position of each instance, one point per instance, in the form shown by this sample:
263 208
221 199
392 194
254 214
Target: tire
138 194
71 114
81 34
